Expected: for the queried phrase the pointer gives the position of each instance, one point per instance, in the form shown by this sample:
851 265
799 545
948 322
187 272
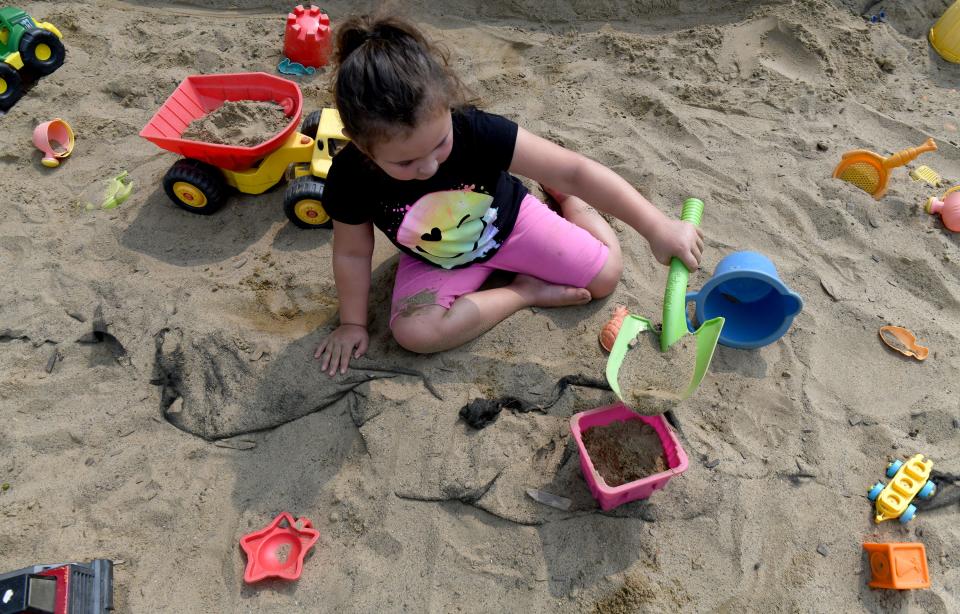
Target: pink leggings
543 244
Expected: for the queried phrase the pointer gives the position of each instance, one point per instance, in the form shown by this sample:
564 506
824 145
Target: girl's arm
352 256
571 173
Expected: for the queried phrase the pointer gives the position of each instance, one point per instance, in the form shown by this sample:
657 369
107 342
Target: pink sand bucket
55 139
610 497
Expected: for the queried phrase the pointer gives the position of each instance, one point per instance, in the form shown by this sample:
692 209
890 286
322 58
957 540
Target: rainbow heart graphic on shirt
450 228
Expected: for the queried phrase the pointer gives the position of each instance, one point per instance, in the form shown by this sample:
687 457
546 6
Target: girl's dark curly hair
389 77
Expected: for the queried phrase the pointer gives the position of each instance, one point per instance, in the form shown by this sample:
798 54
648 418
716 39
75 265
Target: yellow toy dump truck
200 182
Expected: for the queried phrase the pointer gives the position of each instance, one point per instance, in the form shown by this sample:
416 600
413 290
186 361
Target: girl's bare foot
540 293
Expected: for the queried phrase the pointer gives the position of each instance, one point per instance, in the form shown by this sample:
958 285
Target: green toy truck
29 49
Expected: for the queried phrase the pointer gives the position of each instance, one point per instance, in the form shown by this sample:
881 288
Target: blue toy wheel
927 491
875 491
908 514
893 468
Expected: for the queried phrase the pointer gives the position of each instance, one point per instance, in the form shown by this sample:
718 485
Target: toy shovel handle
902 157
674 297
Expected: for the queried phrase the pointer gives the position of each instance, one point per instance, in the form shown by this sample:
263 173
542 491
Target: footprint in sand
780 46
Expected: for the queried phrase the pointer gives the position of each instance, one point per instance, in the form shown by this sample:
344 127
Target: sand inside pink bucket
623 452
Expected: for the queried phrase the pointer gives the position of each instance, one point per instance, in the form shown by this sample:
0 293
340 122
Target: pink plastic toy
55 139
277 552
307 37
948 207
610 497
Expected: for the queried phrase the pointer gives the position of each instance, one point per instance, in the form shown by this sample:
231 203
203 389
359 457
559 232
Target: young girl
434 176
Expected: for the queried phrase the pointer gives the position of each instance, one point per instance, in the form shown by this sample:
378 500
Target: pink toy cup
610 497
55 139
948 208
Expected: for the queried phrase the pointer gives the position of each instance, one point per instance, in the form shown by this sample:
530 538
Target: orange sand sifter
869 171
903 341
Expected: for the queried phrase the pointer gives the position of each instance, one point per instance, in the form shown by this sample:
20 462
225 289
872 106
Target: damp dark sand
624 452
243 122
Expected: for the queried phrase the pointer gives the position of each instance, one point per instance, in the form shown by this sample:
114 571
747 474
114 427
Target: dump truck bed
199 95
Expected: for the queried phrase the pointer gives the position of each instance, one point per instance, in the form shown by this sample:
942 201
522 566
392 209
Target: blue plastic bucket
747 292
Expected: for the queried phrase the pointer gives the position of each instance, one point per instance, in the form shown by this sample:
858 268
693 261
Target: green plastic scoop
674 321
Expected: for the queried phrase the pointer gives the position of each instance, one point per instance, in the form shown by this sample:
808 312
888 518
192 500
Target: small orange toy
903 341
608 334
900 566
870 171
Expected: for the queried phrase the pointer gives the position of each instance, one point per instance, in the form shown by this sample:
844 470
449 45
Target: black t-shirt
459 216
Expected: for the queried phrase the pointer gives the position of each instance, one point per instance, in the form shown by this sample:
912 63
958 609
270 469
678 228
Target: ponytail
358 30
389 77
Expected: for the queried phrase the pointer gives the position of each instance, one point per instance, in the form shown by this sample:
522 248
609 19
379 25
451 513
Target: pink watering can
948 207
55 139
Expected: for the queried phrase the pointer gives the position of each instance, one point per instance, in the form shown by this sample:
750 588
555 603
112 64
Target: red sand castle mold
307 38
610 497
265 549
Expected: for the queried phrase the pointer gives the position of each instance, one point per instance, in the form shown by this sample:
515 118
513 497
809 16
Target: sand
745 104
242 122
625 451
652 381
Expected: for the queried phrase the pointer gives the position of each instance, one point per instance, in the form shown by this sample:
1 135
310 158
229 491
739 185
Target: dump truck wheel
311 125
11 86
42 53
303 204
195 186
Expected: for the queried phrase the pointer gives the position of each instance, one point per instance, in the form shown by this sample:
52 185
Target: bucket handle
691 298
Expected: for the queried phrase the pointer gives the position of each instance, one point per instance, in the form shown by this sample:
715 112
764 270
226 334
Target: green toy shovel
674 321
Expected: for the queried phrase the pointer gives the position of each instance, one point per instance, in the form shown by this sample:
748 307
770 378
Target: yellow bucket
945 34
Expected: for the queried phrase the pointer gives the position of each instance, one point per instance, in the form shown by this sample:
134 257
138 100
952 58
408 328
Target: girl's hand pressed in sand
680 239
336 349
